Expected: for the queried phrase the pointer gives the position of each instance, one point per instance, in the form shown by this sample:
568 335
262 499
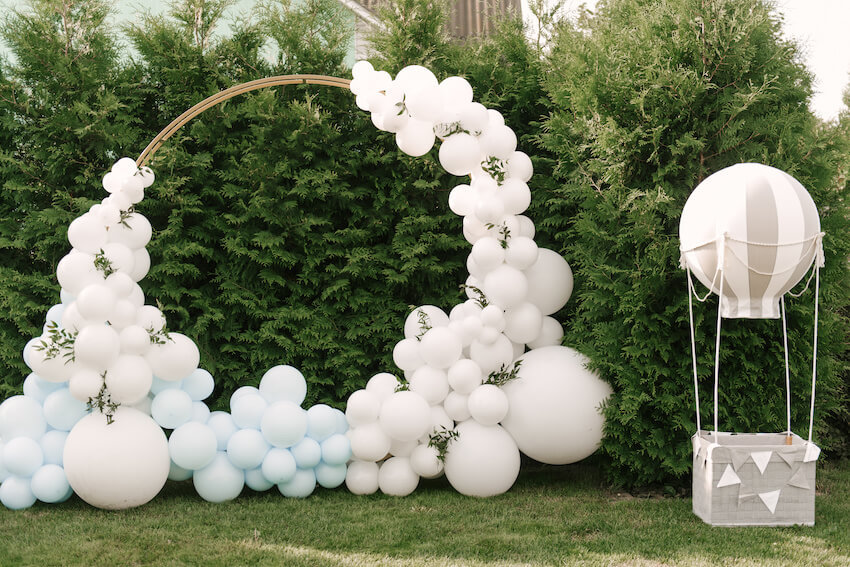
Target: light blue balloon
279 466
192 446
62 410
247 448
247 410
222 425
38 388
321 422
284 424
336 450
283 382
199 384
22 456
200 412
256 481
22 416
307 453
171 408
49 484
53 446
159 385
16 494
220 480
341 422
330 476
178 473
301 485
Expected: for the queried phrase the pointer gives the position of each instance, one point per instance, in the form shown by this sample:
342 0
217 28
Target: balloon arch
480 383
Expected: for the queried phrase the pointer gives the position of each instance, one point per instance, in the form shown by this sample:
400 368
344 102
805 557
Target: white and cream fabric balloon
749 233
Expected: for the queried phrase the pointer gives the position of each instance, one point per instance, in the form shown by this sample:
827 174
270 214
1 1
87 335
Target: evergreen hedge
287 229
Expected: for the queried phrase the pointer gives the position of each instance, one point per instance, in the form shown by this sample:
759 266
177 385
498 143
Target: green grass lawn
552 516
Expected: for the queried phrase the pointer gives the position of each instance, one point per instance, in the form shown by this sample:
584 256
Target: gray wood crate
754 479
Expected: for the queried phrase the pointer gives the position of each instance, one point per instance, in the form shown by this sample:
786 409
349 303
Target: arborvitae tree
650 97
66 114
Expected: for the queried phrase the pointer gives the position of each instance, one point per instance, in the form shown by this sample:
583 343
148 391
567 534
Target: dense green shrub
650 97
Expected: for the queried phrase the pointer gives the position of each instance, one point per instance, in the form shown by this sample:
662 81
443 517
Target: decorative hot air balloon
749 233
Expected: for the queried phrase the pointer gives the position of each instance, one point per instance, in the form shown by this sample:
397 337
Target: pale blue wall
125 11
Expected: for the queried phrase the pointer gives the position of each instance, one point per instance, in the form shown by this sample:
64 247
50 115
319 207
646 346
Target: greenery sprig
446 129
424 324
159 337
504 233
495 167
126 215
403 386
59 342
481 300
102 263
103 402
503 375
441 440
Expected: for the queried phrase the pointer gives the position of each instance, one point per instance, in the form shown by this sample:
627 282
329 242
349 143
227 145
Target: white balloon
85 383
129 379
489 209
134 340
487 404
462 199
407 356
72 319
396 477
551 334
134 231
119 256
174 360
493 356
506 286
402 448
362 407
76 270
422 318
521 252
516 196
473 118
141 264
523 323
150 318
554 403
416 138
97 346
121 284
520 166
56 368
457 406
440 347
369 442
493 316
425 104
473 229
550 281
362 477
483 461
488 253
123 314
382 385
464 376
405 416
87 234
430 383
117 465
362 69
526 227
498 141
460 154
414 78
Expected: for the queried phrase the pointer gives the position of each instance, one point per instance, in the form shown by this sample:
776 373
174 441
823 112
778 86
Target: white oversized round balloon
554 406
482 461
117 465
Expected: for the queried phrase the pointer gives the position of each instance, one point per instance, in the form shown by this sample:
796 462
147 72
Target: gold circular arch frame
281 80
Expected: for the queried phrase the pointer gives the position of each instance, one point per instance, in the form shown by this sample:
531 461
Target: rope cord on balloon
693 345
693 288
812 249
229 93
815 267
787 367
814 355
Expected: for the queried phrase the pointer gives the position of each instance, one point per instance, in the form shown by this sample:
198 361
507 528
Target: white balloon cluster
446 417
108 377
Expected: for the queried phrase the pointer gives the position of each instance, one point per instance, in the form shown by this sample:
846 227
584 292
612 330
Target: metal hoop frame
233 91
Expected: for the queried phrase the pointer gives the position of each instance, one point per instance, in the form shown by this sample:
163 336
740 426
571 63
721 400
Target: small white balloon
423 318
464 376
488 254
97 346
551 334
523 323
521 252
362 407
488 404
369 442
457 406
520 166
405 416
407 355
483 461
430 383
362 477
129 379
460 154
440 347
87 234
396 477
85 383
506 286
473 118
516 196
134 340
416 138
493 356
498 141
382 385
174 360
462 200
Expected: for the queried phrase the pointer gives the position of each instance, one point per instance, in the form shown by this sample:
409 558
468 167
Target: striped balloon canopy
749 233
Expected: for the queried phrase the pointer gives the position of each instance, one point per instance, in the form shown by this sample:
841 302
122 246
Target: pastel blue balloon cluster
33 429
266 440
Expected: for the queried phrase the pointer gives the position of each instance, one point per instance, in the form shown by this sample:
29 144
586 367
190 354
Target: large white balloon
554 406
550 281
482 461
117 465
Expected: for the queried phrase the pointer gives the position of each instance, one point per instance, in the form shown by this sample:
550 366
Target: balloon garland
108 377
